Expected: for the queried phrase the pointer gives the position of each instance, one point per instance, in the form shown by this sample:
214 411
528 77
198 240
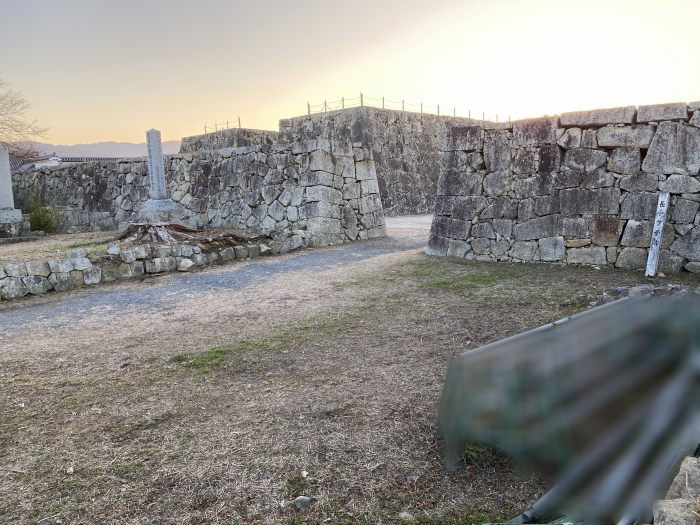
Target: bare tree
16 129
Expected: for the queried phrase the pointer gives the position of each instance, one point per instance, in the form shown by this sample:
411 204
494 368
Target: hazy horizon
101 71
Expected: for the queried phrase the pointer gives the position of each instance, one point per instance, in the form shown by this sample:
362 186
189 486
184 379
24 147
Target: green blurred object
606 400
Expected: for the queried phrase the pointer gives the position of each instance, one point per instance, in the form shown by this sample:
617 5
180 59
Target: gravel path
165 292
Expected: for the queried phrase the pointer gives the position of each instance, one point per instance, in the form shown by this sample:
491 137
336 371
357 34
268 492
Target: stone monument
159 206
11 221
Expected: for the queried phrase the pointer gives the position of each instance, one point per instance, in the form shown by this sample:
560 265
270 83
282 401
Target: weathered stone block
454 183
81 263
36 284
503 227
92 275
546 204
688 246
695 119
12 288
316 225
588 139
674 149
597 179
38 268
611 254
468 207
577 243
166 264
365 170
141 251
76 253
588 255
639 206
637 233
61 281
526 162
571 138
497 155
241 252
674 512
437 245
458 248
466 138
604 201
552 248
584 159
658 112
550 158
320 209
680 184
536 228
533 132
523 250
670 262
60 265
575 227
499 247
323 193
185 265
500 208
639 182
684 211
636 136
497 183
483 229
481 246
605 230
599 117
181 250
632 259
626 160
15 269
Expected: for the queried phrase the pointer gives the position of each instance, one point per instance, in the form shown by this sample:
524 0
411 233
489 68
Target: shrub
41 216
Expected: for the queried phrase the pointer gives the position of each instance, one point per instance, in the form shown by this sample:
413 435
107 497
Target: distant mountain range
104 149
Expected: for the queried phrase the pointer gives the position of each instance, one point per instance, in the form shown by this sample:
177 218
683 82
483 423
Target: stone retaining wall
406 146
309 192
581 188
227 138
121 262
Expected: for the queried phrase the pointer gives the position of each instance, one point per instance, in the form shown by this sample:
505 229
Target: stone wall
228 138
310 192
121 261
407 148
581 188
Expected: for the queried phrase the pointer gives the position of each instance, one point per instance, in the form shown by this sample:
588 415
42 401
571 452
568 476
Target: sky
98 70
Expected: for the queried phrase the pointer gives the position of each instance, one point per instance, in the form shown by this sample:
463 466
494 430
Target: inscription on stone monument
657 234
159 205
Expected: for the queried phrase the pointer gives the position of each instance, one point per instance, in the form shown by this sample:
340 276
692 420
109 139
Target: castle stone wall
581 188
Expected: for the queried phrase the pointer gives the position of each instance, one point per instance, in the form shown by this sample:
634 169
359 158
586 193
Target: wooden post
343 99
657 235
325 106
362 100
454 112
469 112
227 124
205 129
421 108
438 109
496 117
308 108
382 102
403 105
239 122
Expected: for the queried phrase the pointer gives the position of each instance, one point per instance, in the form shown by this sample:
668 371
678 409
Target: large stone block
526 161
501 208
12 288
575 227
36 284
468 207
457 183
38 268
599 117
571 138
639 182
639 206
538 228
466 138
674 149
688 246
684 211
587 255
632 259
497 155
637 136
533 132
637 233
550 158
605 230
323 193
658 112
61 281
584 159
603 201
437 245
497 183
680 184
625 160
316 225
523 250
552 248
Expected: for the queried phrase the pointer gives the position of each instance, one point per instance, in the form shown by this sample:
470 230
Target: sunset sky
98 70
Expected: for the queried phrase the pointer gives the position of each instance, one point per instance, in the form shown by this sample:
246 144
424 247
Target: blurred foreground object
606 400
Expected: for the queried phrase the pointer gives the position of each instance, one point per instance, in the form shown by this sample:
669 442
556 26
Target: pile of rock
650 290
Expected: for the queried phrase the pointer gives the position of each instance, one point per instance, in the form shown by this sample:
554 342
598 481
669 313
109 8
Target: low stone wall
309 192
406 146
581 188
227 138
121 262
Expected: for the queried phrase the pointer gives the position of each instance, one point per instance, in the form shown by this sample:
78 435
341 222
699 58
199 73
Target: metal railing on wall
398 105
228 124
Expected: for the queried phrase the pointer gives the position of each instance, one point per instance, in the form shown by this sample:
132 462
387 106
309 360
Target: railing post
325 106
469 112
215 127
308 108
454 112
483 117
362 100
205 129
382 102
343 99
496 117
403 105
421 108
239 122
438 109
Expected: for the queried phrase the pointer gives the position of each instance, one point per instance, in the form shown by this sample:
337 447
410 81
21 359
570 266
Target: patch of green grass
210 360
77 401
458 283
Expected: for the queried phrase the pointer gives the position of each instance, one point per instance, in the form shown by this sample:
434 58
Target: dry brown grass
54 246
324 385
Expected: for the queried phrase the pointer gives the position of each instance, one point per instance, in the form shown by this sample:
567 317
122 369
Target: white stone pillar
159 204
8 213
